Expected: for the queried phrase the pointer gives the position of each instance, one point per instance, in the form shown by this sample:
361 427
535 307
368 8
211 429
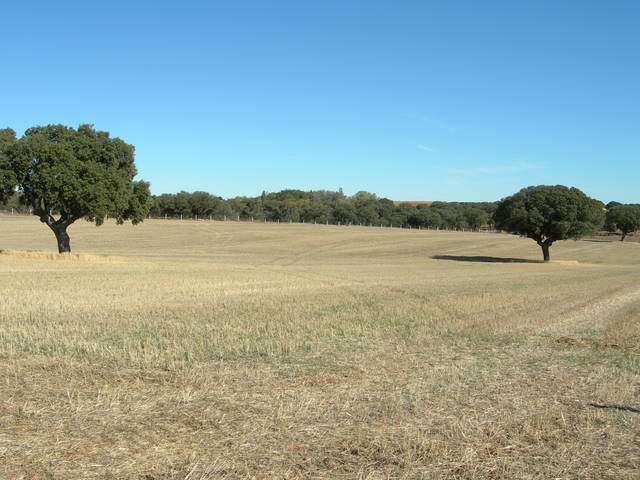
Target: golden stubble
175 350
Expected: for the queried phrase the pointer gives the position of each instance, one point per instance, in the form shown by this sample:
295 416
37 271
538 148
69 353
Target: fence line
240 219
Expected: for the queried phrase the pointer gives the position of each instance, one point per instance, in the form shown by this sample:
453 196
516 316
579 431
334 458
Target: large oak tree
549 213
67 174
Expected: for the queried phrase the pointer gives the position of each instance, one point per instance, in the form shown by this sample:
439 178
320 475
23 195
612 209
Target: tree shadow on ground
615 407
463 258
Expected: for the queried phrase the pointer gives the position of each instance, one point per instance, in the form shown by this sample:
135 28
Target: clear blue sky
412 100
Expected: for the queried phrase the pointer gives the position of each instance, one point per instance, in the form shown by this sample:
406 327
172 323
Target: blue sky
412 100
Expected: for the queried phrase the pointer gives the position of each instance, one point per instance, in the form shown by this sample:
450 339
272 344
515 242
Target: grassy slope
221 350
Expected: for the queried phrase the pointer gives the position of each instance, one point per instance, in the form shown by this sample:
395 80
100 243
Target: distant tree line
363 208
324 206
63 174
13 204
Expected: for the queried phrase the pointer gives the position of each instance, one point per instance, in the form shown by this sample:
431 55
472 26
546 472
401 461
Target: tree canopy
625 218
549 213
71 174
8 179
323 206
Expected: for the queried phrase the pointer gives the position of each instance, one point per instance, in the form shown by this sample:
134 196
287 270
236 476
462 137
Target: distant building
411 204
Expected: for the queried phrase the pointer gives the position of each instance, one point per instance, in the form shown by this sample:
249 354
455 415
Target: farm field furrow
206 350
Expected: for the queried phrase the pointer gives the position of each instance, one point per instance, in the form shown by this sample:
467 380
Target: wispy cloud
509 168
424 147
422 118
432 121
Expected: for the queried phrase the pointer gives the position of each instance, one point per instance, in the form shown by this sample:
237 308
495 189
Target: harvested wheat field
211 350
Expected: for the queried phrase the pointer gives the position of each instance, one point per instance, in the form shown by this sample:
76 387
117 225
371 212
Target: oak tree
66 174
549 213
625 218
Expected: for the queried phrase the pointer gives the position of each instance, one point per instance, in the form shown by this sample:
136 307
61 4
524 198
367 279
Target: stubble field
205 350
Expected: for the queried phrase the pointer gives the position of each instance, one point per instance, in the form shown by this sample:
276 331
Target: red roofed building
411 204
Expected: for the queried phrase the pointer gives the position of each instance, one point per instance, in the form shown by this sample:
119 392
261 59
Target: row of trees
324 206
62 174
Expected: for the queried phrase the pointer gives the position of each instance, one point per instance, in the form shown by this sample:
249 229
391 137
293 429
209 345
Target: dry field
210 350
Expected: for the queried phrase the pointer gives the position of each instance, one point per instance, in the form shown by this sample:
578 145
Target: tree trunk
62 237
623 235
545 251
59 227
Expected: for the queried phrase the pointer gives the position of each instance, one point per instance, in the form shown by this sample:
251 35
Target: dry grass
220 350
64 257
